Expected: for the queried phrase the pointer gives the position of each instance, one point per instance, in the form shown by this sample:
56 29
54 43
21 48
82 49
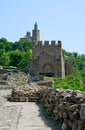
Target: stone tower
47 59
35 33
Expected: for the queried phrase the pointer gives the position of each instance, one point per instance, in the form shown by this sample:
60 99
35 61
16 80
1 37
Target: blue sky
57 20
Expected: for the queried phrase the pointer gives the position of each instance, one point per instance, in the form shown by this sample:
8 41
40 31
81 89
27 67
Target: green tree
8 46
2 46
5 45
3 40
5 59
15 57
26 57
26 44
17 46
22 45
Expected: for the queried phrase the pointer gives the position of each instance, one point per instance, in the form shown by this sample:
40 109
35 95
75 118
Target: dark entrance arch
48 70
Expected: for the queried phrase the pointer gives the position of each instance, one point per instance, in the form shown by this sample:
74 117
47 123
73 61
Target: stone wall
68 67
52 48
47 59
65 106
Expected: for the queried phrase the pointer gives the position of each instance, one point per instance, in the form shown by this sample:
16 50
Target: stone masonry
48 60
66 107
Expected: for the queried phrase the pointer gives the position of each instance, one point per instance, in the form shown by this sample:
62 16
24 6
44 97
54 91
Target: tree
5 45
5 59
22 45
3 40
17 46
26 57
75 54
2 46
8 46
15 57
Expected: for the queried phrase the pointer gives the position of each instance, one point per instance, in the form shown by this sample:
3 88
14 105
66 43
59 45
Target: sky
57 20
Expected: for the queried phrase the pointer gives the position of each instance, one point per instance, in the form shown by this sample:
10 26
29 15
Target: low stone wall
35 78
26 93
65 106
45 83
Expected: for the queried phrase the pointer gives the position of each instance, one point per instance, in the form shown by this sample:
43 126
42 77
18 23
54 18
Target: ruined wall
66 107
68 67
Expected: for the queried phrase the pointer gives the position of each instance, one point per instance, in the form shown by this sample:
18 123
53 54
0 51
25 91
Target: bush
70 82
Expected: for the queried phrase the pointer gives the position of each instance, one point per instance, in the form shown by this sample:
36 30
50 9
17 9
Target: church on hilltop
47 57
35 37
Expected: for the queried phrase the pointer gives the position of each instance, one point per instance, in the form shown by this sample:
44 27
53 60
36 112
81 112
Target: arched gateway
48 69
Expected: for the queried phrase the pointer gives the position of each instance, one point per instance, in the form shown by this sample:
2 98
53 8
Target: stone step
23 99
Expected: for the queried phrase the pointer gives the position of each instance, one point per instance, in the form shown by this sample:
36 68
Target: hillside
18 53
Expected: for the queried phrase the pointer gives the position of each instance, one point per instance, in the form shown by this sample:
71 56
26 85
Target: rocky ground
64 106
12 79
20 115
24 111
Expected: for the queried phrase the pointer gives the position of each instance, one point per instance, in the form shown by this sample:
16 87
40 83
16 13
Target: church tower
35 33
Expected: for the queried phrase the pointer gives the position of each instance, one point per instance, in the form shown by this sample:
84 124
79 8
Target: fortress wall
68 67
49 54
52 48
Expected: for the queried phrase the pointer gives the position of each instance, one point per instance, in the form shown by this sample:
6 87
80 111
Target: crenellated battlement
40 43
53 43
49 47
48 43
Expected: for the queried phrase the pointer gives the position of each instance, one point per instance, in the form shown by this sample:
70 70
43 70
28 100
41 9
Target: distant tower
35 33
28 36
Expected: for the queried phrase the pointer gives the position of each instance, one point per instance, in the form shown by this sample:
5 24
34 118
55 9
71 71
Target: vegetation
78 63
75 81
15 54
18 54
70 82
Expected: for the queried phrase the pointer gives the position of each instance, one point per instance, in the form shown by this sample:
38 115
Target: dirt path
33 118
23 115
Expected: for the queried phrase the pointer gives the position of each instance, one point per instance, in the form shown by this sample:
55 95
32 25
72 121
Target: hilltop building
48 60
35 34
